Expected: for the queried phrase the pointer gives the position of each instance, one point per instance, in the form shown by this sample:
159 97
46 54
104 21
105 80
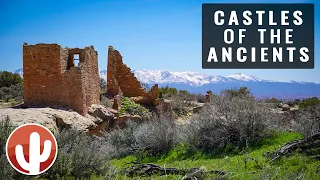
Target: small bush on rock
128 106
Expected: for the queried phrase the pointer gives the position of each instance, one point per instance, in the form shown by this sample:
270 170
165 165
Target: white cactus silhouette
35 158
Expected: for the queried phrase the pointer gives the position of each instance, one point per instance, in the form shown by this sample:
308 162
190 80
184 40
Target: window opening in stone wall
76 59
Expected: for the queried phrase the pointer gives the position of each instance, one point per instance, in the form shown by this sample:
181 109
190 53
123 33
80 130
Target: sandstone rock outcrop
120 80
123 119
98 119
104 118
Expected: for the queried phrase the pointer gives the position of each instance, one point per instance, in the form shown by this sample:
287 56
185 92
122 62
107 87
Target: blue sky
150 34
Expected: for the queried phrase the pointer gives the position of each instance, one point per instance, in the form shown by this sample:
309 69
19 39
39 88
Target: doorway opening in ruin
76 59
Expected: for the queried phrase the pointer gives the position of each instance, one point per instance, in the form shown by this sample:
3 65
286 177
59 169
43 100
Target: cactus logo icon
31 149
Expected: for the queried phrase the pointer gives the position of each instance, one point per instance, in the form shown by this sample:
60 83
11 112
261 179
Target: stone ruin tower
60 77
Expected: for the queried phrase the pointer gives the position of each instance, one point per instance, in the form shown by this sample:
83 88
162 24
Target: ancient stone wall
51 77
120 80
120 76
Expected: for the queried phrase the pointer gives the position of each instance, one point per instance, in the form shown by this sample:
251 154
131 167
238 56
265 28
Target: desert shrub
167 91
182 95
6 171
105 101
121 142
187 97
179 108
241 92
151 137
296 101
228 121
309 102
156 135
13 92
183 101
272 100
8 79
307 120
200 98
103 85
79 156
130 107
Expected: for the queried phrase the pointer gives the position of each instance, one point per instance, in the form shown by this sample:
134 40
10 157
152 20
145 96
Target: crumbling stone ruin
208 96
53 78
122 82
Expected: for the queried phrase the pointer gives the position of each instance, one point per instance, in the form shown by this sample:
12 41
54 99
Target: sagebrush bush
227 120
79 156
307 120
105 101
121 142
6 171
13 92
183 102
155 136
242 92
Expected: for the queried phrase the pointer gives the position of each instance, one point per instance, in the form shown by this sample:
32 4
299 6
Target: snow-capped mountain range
188 77
199 83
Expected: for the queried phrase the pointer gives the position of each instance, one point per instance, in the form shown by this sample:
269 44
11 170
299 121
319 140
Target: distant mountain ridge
199 83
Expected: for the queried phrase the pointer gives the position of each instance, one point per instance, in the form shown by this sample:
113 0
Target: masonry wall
122 82
120 77
51 79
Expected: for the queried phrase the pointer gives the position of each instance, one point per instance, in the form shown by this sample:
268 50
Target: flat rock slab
48 117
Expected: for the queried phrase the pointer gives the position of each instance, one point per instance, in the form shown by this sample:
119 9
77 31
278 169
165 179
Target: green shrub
6 171
309 102
130 107
103 85
272 100
13 92
179 109
182 101
167 91
241 92
79 156
8 79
